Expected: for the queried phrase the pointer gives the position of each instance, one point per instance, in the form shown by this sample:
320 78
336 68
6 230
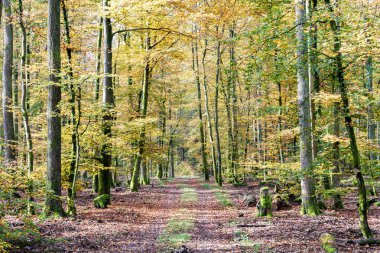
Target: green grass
223 198
174 240
242 238
179 226
177 232
189 195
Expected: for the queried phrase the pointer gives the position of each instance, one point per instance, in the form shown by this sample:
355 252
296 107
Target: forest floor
205 218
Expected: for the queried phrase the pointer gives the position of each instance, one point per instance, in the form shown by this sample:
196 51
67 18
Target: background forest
113 94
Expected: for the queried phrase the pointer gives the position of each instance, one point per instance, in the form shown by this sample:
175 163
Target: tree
108 104
309 201
9 134
53 203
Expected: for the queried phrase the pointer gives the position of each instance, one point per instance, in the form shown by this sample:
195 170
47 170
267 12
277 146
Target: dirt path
135 221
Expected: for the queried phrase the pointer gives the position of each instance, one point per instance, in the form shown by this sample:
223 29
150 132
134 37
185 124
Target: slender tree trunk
200 113
53 203
98 59
208 115
72 99
234 107
363 203
108 104
309 201
218 176
95 177
9 135
24 105
143 111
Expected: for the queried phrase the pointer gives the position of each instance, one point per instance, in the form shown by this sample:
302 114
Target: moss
189 195
310 208
223 199
327 243
102 201
265 204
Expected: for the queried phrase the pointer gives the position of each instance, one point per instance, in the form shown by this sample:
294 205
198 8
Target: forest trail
187 211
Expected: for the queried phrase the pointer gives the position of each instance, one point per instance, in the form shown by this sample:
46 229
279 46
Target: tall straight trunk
95 177
144 180
218 176
15 103
108 104
72 99
171 143
143 111
161 142
234 107
339 72
208 114
199 102
335 178
312 71
309 201
53 203
9 135
98 59
24 105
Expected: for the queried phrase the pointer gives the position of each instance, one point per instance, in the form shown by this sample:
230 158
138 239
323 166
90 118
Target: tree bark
339 72
309 201
218 176
199 101
108 104
24 106
208 114
53 203
143 112
9 135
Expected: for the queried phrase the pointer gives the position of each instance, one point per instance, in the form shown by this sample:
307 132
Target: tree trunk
72 99
363 204
309 201
208 115
143 111
218 176
200 113
24 106
108 104
53 203
234 107
9 135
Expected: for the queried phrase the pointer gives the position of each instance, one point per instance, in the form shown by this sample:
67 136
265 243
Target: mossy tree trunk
105 175
363 203
264 206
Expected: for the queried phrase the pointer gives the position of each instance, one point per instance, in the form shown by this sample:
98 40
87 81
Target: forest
190 126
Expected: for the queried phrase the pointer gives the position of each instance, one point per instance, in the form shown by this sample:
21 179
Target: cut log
365 242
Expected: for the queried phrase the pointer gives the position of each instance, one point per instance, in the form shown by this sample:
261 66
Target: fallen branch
373 201
365 242
251 225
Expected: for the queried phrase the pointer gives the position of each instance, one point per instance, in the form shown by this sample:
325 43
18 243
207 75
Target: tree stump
327 242
102 201
264 206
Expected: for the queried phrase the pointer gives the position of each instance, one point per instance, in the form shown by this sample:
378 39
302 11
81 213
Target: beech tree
53 203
